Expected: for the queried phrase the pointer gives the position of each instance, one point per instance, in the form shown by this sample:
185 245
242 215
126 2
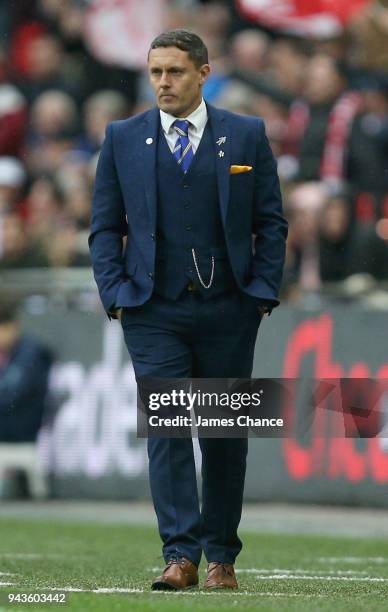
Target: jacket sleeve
108 226
269 226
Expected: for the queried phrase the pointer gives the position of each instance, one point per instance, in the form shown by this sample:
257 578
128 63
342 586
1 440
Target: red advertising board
330 455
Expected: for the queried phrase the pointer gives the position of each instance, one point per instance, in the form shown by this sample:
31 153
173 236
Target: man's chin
168 107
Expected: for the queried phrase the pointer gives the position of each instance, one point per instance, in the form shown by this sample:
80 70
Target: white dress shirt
197 119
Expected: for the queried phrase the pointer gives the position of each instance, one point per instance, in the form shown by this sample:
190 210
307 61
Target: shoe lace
225 567
175 561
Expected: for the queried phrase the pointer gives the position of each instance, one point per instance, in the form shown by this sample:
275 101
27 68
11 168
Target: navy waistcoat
188 216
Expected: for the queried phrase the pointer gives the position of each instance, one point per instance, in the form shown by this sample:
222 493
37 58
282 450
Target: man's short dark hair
186 41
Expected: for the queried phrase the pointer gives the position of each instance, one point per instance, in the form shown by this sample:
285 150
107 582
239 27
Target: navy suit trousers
194 338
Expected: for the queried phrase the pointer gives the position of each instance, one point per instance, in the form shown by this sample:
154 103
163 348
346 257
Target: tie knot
181 126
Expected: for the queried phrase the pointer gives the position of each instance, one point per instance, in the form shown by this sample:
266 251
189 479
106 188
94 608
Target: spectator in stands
304 205
287 62
369 32
54 122
43 209
347 247
16 249
13 118
249 51
75 185
12 179
320 123
68 247
99 110
367 159
24 370
45 63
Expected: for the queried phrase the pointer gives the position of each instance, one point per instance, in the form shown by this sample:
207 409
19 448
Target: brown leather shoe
220 576
179 574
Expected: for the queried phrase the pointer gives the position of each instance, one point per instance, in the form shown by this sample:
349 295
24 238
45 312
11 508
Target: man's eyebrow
170 69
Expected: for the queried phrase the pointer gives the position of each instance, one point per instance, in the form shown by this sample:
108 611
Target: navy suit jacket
125 205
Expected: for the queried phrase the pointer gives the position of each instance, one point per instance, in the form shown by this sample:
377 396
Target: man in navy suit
194 192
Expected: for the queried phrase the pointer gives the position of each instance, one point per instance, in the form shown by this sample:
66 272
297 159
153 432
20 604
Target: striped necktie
183 151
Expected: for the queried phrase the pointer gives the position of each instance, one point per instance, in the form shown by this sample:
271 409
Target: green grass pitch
275 572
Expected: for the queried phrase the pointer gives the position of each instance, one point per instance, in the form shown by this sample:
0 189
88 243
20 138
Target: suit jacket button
150 275
152 236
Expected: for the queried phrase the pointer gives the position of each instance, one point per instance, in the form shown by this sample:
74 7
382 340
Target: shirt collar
197 118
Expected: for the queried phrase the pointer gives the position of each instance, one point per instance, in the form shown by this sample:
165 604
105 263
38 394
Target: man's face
323 82
176 81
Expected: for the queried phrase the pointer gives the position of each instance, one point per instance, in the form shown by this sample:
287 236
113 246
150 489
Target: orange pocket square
239 169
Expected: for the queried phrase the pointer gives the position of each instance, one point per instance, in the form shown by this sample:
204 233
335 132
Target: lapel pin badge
221 140
221 154
149 140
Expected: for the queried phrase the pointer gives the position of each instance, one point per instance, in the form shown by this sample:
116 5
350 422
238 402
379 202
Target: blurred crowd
324 102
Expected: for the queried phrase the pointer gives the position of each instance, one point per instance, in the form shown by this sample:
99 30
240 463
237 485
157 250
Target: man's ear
204 73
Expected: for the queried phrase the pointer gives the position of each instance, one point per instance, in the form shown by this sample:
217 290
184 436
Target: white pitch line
30 556
194 592
67 589
352 559
7 574
4 584
117 590
33 556
231 594
315 577
254 570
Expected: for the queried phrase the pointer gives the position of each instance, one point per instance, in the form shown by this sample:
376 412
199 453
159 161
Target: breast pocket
241 183
242 177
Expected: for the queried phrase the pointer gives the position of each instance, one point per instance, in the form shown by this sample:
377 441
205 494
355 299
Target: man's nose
165 80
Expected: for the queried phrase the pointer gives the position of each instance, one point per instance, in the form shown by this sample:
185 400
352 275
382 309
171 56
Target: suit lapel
221 135
147 145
